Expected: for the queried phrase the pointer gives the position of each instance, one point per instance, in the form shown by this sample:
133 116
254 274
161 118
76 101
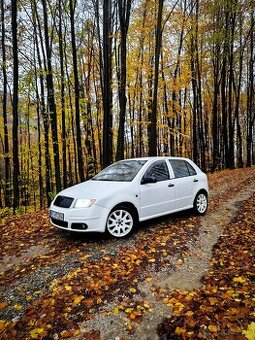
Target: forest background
84 83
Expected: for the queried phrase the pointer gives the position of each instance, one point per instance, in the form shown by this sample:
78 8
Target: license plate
56 215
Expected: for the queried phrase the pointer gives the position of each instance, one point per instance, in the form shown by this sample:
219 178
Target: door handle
170 185
195 180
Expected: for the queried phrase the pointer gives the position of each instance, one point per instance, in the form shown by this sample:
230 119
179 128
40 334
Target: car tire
200 203
120 222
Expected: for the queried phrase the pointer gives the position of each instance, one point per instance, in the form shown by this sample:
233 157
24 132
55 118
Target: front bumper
92 219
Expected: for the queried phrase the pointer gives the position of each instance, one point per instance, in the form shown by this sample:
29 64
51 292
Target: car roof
156 158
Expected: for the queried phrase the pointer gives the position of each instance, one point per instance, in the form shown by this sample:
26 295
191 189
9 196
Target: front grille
63 201
60 223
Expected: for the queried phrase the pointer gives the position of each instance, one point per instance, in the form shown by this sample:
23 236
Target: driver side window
159 170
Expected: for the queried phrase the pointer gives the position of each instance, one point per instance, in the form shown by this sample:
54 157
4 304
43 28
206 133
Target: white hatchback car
129 191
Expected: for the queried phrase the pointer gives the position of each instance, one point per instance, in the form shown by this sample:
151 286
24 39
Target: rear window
182 168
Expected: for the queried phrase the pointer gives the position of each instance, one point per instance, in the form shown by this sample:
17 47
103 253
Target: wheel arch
128 205
202 191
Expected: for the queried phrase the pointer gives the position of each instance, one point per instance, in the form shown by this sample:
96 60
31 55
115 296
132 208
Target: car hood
94 189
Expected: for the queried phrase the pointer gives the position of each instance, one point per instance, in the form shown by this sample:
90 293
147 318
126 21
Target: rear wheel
201 203
120 222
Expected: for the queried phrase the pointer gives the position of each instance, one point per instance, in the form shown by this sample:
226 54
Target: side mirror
148 179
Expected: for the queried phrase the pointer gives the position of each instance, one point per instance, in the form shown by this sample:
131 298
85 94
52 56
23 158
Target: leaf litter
90 287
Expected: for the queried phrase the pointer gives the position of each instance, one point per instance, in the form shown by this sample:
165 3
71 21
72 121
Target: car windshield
122 171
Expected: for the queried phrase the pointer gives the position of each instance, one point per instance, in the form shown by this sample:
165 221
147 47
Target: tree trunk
77 95
42 106
152 128
62 94
250 97
107 84
15 102
51 100
124 15
6 148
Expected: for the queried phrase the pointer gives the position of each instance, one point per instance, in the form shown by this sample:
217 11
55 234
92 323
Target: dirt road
55 285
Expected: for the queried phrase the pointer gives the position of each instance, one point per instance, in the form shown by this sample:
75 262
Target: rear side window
182 168
159 171
192 171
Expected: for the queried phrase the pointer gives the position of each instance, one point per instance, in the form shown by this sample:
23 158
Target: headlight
84 203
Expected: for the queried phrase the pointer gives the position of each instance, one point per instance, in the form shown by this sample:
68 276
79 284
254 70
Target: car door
157 198
185 183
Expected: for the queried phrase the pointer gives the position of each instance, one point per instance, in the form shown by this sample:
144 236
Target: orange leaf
3 304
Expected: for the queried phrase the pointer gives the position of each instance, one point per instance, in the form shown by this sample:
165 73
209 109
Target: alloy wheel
201 203
120 223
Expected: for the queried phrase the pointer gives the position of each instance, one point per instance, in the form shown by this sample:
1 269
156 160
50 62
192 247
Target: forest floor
181 276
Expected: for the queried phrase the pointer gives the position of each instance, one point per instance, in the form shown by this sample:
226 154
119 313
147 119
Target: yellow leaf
35 333
85 257
68 288
233 311
129 326
78 299
17 307
116 311
151 260
213 328
148 279
239 279
250 332
180 330
189 313
213 301
76 332
129 310
132 290
99 300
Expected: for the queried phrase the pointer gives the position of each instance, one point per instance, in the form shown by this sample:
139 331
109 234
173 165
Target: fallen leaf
3 304
35 333
180 330
2 324
250 332
132 290
213 328
18 307
239 279
78 299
